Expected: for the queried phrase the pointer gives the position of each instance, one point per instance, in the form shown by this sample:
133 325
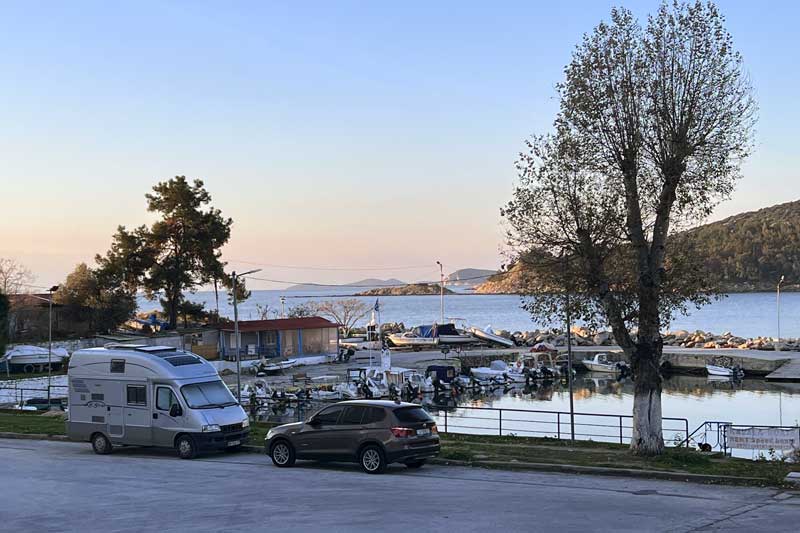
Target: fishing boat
601 363
488 335
31 358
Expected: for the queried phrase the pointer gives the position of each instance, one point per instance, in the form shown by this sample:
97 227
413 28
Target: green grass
587 453
21 375
31 422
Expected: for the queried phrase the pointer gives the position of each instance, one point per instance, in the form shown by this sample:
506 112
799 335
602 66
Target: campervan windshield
207 395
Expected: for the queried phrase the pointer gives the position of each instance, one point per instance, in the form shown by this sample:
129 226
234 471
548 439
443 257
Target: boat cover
433 331
498 365
21 351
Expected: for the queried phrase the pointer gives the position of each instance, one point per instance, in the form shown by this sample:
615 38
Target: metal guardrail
21 394
554 424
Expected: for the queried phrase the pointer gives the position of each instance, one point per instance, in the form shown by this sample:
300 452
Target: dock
789 371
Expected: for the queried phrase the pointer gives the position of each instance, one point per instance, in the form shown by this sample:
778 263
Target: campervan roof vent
181 360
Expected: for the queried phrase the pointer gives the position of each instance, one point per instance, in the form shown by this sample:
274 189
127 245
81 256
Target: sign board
386 359
754 438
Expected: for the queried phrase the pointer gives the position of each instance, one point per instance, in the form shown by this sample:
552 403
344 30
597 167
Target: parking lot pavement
58 486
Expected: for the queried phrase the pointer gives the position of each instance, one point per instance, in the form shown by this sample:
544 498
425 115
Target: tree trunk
647 437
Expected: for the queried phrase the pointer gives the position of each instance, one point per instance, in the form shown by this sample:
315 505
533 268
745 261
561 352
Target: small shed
282 337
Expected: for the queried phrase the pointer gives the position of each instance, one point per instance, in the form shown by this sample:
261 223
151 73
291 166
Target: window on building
137 395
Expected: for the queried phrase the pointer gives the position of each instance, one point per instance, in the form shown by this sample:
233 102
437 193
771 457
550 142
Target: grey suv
372 432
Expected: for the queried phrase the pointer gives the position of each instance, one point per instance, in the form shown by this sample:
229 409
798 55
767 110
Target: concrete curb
606 471
32 436
506 465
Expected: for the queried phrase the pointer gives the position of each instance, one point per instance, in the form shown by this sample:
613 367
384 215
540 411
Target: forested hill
750 251
746 252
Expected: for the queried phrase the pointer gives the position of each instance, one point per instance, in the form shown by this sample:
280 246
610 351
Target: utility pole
50 342
779 307
283 306
234 278
441 290
569 371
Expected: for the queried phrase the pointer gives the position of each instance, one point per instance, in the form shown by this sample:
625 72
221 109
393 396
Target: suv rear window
412 414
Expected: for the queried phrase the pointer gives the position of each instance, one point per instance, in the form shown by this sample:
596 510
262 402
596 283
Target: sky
360 139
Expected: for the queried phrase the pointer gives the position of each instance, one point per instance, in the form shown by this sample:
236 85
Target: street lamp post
441 290
49 301
234 278
283 306
779 308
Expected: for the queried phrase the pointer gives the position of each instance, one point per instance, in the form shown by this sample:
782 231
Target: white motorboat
497 370
277 366
412 339
448 334
600 363
723 371
32 358
489 335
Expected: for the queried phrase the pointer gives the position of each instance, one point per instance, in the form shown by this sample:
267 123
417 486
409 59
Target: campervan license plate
234 442
425 431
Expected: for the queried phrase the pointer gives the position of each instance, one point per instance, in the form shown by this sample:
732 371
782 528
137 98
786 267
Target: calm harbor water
747 315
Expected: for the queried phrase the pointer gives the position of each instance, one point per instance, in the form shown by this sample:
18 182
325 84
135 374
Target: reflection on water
697 399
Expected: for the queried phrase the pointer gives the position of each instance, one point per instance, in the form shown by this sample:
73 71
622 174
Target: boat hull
491 337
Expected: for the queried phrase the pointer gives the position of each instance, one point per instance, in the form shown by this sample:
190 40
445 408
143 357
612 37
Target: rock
710 344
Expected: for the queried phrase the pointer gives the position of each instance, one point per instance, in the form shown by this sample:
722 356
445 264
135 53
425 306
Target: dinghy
488 335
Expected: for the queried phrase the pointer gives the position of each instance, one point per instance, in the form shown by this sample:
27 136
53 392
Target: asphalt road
56 486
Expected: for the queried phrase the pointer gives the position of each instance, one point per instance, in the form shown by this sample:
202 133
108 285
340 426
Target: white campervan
151 396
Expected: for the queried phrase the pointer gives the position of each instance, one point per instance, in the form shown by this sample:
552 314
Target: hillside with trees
742 253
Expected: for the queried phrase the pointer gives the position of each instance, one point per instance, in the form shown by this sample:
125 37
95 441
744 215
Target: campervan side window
118 366
165 398
137 395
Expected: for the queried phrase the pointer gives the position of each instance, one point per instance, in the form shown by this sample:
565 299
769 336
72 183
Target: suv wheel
415 464
372 460
100 444
186 447
282 454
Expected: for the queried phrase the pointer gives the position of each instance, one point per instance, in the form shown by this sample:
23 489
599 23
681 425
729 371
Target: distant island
748 252
406 290
469 277
369 282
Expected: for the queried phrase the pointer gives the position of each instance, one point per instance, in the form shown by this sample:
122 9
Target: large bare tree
346 312
653 126
14 277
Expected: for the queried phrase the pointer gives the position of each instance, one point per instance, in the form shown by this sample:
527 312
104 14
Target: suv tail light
403 432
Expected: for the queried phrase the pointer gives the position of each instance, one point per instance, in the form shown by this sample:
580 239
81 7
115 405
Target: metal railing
554 424
19 395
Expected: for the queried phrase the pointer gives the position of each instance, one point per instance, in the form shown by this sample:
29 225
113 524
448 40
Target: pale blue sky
334 133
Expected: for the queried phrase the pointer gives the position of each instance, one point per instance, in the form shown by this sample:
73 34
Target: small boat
489 335
496 370
448 334
32 358
600 363
412 339
723 366
723 371
278 366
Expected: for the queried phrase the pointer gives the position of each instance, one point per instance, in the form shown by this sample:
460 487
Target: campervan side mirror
175 410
